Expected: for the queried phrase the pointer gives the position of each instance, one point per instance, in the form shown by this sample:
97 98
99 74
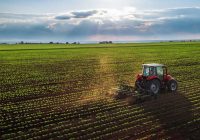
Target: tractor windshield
149 71
145 71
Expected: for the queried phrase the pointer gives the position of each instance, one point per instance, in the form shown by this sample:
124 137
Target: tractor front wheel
154 86
172 85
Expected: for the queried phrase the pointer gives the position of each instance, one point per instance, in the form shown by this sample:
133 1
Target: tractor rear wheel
172 85
154 86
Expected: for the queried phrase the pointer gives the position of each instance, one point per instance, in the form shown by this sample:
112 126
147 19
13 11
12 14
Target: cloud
171 13
84 14
76 14
21 30
114 24
63 17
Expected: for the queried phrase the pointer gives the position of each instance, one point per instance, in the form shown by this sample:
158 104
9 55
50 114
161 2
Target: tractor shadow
172 111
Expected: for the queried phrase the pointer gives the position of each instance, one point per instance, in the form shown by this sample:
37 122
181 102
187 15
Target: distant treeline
101 42
64 43
22 42
105 42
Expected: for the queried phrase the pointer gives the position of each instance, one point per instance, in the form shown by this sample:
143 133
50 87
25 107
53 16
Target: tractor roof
153 65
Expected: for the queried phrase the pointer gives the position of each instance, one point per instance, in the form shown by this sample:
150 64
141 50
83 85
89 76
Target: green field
63 91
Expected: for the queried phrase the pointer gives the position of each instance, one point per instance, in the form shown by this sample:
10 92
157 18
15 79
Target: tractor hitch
140 89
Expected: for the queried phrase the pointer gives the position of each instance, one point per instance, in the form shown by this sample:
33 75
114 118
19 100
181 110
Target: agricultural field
63 91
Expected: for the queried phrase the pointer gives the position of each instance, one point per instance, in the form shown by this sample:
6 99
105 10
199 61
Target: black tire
154 86
136 85
172 85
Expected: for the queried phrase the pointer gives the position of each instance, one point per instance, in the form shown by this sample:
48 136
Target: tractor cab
158 70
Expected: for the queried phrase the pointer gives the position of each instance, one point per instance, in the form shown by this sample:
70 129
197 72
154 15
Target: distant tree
51 42
67 43
105 42
22 42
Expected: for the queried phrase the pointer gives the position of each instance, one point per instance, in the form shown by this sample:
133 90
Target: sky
98 20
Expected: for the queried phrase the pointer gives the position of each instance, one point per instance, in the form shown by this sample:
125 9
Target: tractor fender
139 77
168 77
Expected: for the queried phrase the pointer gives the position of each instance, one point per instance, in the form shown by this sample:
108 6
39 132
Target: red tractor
154 77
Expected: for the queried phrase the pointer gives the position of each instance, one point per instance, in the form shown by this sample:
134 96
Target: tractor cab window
149 71
145 71
160 72
152 71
